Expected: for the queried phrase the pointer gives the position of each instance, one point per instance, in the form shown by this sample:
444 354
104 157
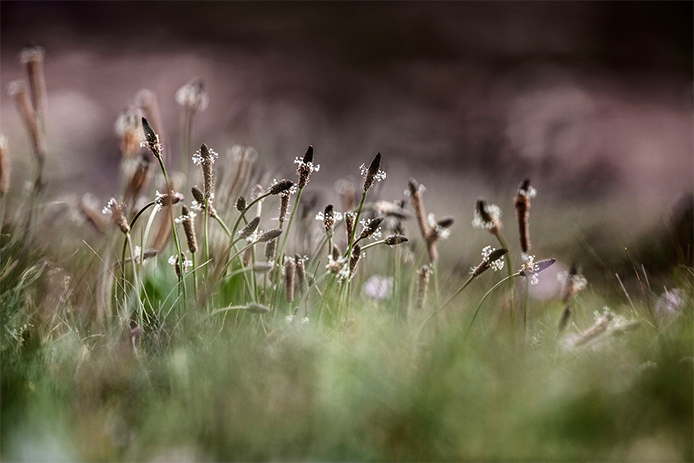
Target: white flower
442 232
304 321
172 261
195 206
192 96
186 263
336 216
110 207
184 217
197 157
494 212
380 175
530 192
365 224
529 268
311 166
497 264
378 287
137 254
578 281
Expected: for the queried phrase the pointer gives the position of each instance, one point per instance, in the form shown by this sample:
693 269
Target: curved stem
465 285
474 316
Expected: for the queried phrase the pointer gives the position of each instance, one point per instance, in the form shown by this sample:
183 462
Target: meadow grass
303 339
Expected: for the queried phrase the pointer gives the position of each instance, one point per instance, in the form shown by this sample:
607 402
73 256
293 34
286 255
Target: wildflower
248 230
117 215
241 204
371 228
187 220
282 187
192 96
373 173
151 139
522 205
572 281
491 258
204 153
439 229
532 269
394 240
350 217
176 263
306 167
163 199
378 287
329 217
487 217
269 235
137 254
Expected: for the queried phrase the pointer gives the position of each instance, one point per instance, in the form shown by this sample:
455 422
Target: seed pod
289 268
249 229
198 195
370 228
487 261
522 204
117 215
151 138
269 235
284 207
394 240
422 286
206 166
305 168
189 228
241 204
329 220
280 187
349 225
300 273
537 267
164 200
137 181
372 172
354 260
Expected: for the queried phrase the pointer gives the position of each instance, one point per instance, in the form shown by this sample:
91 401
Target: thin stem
195 276
223 225
462 288
284 244
474 316
243 214
509 266
137 280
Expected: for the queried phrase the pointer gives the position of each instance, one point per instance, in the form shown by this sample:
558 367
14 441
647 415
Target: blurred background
591 100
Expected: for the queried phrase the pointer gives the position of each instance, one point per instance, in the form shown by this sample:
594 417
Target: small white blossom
494 212
110 207
365 223
291 191
578 281
197 157
195 206
137 254
380 175
336 216
497 264
311 166
184 217
530 192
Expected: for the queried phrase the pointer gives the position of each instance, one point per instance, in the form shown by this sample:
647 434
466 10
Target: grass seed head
373 173
18 91
300 273
284 207
283 186
270 250
247 254
394 240
189 228
522 204
306 167
257 309
117 215
354 259
248 230
241 204
371 228
269 235
165 200
32 57
151 138
329 220
423 276
489 260
350 217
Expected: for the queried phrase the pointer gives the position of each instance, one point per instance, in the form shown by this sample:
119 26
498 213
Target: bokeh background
591 100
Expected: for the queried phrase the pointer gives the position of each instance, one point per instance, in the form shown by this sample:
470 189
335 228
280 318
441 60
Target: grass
114 361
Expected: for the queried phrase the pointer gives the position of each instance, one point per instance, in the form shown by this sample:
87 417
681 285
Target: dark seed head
249 229
393 240
257 309
269 235
308 157
281 186
372 172
371 228
241 204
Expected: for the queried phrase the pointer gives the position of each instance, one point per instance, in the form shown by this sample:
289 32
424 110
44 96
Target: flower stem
474 316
